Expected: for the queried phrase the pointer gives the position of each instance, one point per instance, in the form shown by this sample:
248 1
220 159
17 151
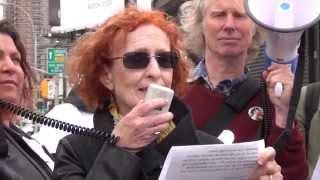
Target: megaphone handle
278 89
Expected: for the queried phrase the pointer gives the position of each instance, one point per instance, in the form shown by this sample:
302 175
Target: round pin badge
256 113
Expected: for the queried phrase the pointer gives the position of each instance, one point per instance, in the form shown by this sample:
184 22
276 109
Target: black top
80 157
17 160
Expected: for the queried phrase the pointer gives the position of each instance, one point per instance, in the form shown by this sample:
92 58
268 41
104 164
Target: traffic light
44 88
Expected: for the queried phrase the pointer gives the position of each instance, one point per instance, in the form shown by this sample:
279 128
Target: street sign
56 59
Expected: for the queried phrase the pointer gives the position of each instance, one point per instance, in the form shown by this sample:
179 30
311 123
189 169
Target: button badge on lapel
256 113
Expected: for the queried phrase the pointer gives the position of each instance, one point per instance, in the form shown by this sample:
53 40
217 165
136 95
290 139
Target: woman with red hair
112 69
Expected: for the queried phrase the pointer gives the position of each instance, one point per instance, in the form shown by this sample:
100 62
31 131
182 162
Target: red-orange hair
87 58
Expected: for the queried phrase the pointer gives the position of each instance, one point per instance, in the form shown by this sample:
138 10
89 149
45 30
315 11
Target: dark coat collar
103 120
3 142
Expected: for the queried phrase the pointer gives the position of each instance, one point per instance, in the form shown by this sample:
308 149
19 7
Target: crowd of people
111 69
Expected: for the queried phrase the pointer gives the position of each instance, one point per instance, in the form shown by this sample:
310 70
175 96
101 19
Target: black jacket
79 157
74 99
17 160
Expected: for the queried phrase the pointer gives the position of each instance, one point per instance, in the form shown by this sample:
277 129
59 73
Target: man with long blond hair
221 32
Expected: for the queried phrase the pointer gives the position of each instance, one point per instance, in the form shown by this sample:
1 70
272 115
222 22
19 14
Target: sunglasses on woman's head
140 60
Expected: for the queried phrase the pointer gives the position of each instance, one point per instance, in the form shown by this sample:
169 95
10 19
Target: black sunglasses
140 60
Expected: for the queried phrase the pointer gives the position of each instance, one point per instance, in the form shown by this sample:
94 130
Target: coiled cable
64 126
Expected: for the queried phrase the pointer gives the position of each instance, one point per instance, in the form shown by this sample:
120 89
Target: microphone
284 22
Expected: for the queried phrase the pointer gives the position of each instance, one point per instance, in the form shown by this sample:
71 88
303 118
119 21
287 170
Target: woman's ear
106 78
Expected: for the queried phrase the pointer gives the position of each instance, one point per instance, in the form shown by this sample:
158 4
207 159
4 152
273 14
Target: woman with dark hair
117 63
17 159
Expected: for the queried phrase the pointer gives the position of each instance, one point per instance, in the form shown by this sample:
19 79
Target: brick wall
17 12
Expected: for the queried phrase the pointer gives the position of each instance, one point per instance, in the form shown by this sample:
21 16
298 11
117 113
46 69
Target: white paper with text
316 171
211 162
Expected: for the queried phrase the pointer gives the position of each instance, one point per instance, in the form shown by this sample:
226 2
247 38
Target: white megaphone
284 22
